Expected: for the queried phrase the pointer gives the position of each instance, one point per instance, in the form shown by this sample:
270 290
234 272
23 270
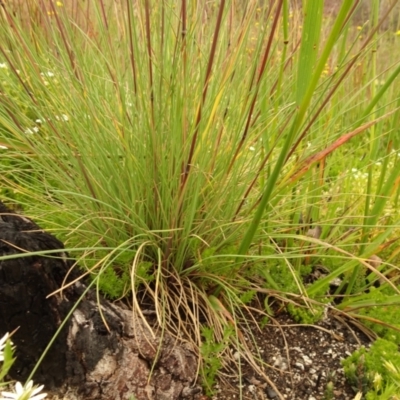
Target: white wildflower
251 148
3 341
62 118
38 121
27 392
29 131
3 66
3 148
48 73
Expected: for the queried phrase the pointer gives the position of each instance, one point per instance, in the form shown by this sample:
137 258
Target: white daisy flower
3 340
27 392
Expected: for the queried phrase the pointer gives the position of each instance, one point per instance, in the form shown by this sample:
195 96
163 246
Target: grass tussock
204 156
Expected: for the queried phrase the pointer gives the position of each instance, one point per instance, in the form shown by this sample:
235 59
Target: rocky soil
305 361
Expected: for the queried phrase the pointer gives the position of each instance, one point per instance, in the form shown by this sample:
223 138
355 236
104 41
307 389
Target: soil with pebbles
305 360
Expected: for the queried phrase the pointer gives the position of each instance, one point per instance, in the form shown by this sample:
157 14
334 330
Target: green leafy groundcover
375 371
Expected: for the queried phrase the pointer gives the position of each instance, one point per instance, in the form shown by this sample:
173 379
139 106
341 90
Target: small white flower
38 121
3 65
3 340
251 148
29 131
48 73
27 392
62 118
3 148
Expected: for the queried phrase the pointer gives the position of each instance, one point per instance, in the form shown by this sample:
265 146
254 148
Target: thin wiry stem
131 48
260 74
187 167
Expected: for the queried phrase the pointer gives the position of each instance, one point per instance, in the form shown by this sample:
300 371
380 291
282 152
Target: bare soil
304 360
